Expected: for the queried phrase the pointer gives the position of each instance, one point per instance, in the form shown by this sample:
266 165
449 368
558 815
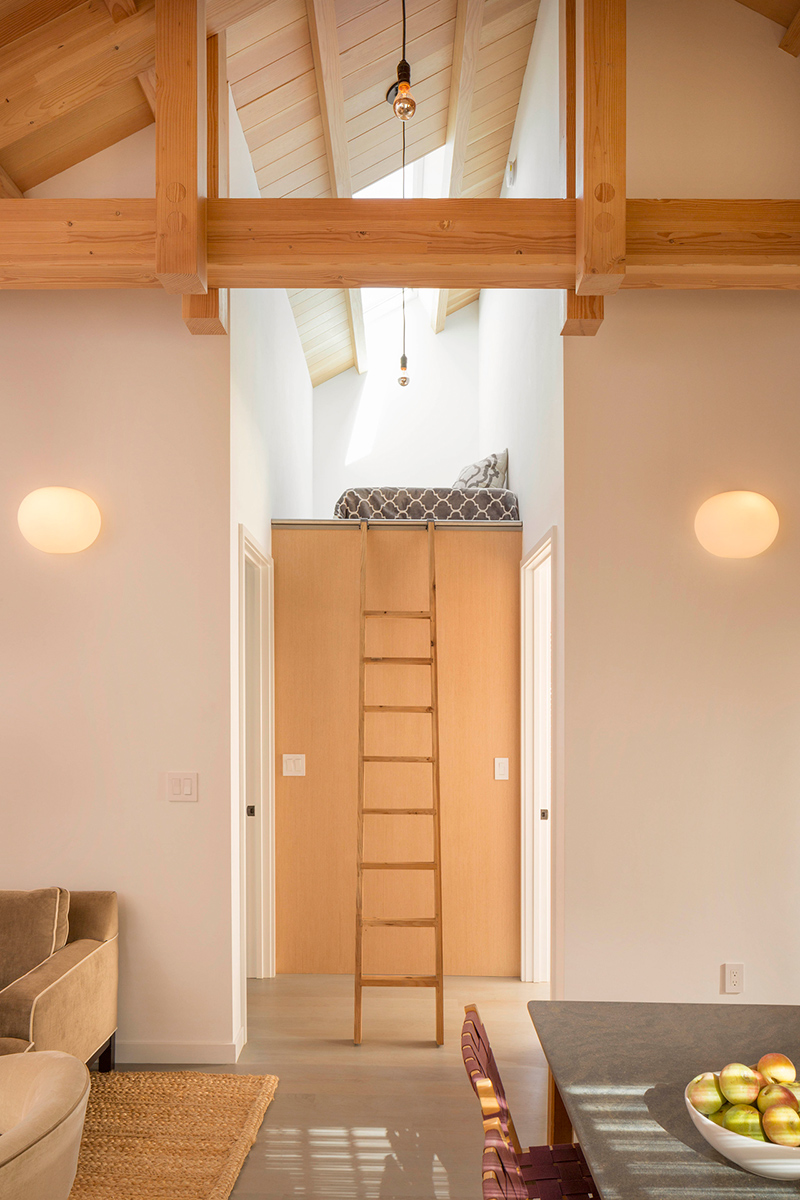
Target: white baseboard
238 1044
194 1053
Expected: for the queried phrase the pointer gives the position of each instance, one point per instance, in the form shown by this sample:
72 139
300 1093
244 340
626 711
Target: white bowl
760 1158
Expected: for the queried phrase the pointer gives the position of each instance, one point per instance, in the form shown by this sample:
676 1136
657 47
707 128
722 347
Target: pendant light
404 106
399 94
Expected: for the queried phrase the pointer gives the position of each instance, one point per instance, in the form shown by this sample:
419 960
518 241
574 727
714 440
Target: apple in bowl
759 1132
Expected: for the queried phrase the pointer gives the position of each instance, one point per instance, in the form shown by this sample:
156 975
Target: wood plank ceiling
271 66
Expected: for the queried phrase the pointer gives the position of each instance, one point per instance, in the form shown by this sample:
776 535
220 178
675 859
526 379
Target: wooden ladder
434 922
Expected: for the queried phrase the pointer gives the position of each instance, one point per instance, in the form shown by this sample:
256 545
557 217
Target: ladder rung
399 981
407 708
406 922
409 616
412 662
404 812
393 758
398 866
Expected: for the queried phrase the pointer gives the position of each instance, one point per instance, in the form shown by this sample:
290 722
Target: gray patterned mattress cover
427 504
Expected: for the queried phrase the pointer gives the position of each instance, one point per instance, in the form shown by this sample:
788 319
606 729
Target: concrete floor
393 1118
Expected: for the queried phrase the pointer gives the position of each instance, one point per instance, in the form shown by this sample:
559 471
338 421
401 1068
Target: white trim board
264 820
537 608
195 1053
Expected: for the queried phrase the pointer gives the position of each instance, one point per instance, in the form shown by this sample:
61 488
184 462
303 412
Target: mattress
427 504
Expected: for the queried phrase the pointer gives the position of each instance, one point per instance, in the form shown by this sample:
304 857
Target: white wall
522 381
116 660
122 662
681 675
368 430
521 358
270 464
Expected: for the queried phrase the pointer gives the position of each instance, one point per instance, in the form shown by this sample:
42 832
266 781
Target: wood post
208 314
600 146
181 145
584 315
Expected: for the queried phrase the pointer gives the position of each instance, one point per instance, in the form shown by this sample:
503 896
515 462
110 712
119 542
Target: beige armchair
58 973
43 1101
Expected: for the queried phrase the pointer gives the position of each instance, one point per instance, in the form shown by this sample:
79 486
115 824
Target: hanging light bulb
399 94
403 379
404 105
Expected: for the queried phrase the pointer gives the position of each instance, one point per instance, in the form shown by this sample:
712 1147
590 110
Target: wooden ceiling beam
790 42
208 314
388 243
120 9
328 71
8 189
600 147
469 24
147 82
24 18
79 55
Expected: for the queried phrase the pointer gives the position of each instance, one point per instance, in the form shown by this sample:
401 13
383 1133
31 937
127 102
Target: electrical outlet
734 977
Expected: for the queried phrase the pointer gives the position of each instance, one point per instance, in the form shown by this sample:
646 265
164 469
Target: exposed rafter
327 64
147 82
75 55
790 42
469 21
120 9
8 189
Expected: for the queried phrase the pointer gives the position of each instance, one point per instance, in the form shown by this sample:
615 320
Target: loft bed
479 494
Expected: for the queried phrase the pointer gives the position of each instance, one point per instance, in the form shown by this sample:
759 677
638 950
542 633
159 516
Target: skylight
423 180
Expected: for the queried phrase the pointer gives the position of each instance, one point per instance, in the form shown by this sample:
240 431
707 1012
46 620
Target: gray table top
622 1069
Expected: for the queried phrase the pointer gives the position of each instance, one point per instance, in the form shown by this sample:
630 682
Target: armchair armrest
68 1002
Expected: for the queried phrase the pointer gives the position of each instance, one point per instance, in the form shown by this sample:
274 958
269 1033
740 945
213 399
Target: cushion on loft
490 472
33 925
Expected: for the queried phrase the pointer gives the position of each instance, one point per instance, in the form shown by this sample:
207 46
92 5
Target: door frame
264 820
537 791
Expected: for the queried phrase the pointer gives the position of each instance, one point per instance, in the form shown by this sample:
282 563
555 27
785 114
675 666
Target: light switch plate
501 768
182 786
294 764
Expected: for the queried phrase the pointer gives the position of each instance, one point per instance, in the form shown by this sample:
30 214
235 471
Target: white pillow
490 472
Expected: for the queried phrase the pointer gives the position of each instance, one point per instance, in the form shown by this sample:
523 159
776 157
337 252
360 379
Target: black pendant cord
404 29
403 172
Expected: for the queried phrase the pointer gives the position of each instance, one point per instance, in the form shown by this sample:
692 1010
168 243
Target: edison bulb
403 379
404 104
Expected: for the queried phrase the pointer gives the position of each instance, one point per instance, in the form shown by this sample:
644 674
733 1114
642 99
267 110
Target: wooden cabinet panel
316 683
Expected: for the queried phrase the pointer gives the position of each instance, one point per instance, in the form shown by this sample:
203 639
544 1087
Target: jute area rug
168 1135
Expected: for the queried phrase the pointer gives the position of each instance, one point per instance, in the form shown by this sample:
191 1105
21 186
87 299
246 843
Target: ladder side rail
361 787
437 835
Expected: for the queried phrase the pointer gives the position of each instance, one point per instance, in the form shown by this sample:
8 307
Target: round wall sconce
736 524
59 520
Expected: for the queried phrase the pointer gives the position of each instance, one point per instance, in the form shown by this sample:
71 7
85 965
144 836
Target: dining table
618 1072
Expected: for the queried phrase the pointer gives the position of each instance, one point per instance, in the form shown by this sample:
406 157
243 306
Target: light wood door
316 683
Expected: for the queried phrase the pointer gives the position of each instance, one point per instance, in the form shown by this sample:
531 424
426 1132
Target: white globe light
59 520
736 524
